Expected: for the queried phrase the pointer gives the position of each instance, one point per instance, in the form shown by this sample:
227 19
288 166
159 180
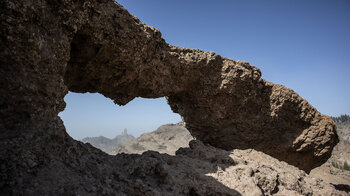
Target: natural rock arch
100 47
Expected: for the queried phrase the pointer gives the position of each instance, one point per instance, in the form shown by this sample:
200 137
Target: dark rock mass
50 47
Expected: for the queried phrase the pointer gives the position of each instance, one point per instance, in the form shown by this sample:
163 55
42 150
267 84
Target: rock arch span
53 47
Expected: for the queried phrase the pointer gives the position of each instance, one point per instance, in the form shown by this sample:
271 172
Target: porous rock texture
50 47
80 169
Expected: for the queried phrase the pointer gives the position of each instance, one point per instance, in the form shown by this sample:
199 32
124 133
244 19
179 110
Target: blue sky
304 45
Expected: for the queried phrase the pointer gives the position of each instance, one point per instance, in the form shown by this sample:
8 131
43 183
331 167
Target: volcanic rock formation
50 47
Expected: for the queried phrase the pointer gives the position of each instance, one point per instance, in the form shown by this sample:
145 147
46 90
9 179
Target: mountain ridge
106 144
167 138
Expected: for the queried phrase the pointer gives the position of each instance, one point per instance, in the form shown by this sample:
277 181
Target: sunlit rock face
48 48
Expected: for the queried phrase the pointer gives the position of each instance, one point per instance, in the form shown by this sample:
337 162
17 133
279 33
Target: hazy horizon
303 45
92 115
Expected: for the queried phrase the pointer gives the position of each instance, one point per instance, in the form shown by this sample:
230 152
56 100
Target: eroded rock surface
75 168
50 47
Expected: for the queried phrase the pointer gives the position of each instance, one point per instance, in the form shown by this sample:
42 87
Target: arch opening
141 125
224 103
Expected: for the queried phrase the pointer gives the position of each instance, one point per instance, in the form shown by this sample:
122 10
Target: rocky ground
180 137
197 170
66 167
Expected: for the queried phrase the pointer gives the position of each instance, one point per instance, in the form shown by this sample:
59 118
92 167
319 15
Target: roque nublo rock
51 47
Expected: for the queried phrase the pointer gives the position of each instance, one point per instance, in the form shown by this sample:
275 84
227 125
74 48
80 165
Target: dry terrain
166 139
333 170
106 144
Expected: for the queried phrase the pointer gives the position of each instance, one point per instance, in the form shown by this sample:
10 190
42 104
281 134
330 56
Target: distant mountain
341 152
343 130
106 144
336 170
166 139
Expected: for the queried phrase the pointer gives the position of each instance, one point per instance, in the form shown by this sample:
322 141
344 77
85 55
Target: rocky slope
341 152
333 170
166 139
197 170
106 144
343 129
180 137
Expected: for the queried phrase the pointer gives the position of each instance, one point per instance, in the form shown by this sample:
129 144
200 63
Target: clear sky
304 45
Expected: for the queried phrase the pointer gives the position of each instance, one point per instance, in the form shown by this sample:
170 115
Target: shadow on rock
342 187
